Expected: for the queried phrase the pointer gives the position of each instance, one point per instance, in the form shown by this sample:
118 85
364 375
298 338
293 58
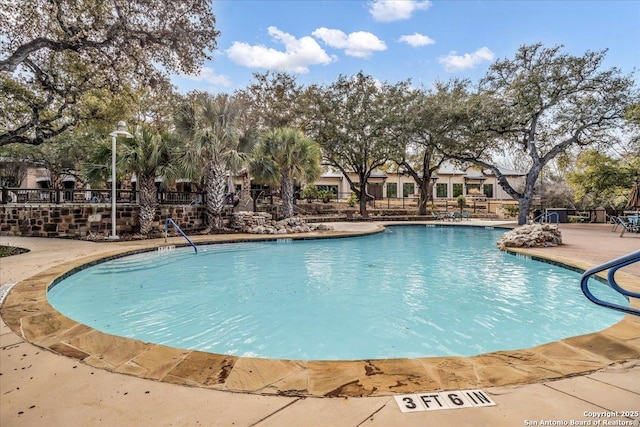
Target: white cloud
453 62
360 44
417 40
299 54
207 75
396 10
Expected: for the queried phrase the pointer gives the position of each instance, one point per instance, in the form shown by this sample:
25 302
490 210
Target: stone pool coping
27 312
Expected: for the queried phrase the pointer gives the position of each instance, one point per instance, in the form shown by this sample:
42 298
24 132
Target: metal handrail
613 270
612 266
166 230
299 209
545 217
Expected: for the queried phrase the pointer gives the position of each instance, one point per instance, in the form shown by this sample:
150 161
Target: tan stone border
27 312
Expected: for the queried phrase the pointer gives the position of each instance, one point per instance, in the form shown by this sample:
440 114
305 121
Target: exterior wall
498 191
342 184
400 180
79 220
344 191
448 176
32 177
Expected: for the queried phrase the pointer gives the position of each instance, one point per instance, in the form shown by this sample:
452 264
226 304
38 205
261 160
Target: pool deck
54 371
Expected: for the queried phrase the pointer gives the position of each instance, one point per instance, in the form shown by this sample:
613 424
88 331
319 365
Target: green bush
326 195
310 192
353 200
11 250
461 201
512 209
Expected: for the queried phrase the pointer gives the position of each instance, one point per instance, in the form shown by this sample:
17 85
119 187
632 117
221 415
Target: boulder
262 223
529 236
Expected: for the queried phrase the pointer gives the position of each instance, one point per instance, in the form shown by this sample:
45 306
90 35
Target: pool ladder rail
166 230
612 266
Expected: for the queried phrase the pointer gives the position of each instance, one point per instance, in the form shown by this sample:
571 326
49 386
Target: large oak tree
349 119
538 105
275 100
55 52
430 119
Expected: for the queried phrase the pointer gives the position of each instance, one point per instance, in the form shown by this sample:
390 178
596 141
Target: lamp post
121 130
434 179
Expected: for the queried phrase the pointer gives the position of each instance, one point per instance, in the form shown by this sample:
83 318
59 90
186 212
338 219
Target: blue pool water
411 291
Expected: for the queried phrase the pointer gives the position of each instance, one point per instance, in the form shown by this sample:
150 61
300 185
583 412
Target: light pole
434 179
121 130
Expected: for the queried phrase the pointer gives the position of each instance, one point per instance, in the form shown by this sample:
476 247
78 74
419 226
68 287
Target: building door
375 189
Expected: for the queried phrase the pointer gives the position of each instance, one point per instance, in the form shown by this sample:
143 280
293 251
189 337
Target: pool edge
27 312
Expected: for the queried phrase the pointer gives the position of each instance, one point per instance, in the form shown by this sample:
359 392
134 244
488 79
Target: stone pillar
246 202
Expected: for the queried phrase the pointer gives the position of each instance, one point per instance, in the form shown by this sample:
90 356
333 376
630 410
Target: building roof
448 168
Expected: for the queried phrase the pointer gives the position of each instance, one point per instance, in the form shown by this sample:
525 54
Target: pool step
165 255
149 261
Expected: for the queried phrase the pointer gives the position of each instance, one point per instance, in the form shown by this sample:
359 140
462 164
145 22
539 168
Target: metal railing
613 266
166 232
298 210
79 196
546 217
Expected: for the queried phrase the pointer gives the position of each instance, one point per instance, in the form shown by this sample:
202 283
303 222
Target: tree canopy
540 104
434 118
601 180
274 100
55 53
349 120
210 129
282 156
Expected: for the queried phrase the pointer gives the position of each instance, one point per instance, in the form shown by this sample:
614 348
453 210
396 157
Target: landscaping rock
529 236
262 223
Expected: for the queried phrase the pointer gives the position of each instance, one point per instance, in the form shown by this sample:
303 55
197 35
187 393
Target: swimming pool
408 292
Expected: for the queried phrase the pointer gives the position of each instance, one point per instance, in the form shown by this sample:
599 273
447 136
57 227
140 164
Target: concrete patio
38 386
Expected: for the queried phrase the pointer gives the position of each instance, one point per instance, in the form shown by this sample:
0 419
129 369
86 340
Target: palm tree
210 126
282 156
148 155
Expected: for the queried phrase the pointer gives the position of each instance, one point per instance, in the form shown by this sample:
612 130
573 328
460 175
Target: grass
11 250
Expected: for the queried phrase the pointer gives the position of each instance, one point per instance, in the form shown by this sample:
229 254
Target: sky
395 40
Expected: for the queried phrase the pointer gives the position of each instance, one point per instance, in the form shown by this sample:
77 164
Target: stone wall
50 220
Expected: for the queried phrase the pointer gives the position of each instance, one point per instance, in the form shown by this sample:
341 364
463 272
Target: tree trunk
424 197
524 203
246 186
215 184
148 204
286 190
363 204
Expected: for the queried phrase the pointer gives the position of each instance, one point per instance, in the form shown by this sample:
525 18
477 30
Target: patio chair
627 226
456 216
465 215
615 222
438 216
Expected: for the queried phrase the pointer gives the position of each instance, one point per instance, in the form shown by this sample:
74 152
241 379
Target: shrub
512 209
353 199
326 195
310 192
